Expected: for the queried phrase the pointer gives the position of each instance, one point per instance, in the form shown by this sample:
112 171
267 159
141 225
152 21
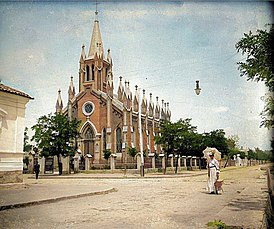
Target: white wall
12 112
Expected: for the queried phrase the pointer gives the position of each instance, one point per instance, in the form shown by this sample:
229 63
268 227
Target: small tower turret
157 108
163 113
144 103
136 100
109 59
168 112
82 70
71 90
59 103
120 89
151 106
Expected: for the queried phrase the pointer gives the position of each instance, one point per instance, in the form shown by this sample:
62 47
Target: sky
163 47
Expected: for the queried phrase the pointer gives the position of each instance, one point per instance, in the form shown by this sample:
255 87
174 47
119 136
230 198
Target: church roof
118 104
96 43
115 100
11 90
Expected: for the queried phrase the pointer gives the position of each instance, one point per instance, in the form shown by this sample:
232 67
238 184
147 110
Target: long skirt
212 179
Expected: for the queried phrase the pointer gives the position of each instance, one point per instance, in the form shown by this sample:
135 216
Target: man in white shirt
213 173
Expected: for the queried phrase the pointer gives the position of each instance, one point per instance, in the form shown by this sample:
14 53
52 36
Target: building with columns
109 121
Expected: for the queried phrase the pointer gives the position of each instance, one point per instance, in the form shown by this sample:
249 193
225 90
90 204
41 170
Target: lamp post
197 89
141 135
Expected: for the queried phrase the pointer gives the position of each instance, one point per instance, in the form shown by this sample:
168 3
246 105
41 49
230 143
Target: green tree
217 139
177 138
187 141
258 66
233 142
132 151
262 155
55 135
186 136
251 154
166 138
27 146
107 154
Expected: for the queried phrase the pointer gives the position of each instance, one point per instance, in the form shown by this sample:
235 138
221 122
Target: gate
49 165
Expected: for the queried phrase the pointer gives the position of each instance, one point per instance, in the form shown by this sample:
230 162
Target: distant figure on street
36 169
213 173
60 168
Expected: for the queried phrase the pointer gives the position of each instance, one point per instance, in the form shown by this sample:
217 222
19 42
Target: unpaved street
179 202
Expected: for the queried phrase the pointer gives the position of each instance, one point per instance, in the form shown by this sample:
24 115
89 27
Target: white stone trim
83 108
124 129
91 124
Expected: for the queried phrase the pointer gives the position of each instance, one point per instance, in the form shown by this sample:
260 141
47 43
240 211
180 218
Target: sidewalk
34 192
52 187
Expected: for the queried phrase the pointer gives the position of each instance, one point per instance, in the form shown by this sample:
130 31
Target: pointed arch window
133 137
87 73
118 140
92 72
148 138
88 134
106 75
104 139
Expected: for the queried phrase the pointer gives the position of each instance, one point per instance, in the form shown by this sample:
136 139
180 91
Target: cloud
220 109
26 61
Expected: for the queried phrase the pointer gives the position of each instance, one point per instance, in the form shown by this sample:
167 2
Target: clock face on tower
88 108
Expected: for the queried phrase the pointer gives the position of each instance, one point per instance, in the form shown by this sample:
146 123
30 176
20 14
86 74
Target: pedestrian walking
213 173
36 169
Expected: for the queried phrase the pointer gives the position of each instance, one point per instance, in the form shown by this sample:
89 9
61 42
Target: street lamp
142 173
197 89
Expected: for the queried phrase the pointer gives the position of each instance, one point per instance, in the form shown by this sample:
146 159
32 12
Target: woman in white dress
213 173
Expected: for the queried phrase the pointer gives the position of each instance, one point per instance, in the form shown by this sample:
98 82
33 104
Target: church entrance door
88 143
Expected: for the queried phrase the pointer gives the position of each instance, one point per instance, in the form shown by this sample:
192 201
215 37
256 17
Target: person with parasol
213 173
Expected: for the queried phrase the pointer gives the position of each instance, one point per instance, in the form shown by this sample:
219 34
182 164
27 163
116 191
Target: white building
12 116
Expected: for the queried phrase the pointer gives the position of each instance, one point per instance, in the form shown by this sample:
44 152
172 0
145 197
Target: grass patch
217 224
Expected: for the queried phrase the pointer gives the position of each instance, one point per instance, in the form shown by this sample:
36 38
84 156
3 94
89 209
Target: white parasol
208 150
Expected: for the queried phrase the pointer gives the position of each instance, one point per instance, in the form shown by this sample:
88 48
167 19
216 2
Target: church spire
83 55
96 44
71 90
59 103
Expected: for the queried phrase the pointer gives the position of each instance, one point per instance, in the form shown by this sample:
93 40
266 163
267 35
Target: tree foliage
258 154
27 146
55 135
233 141
181 138
258 66
107 154
166 138
132 151
217 139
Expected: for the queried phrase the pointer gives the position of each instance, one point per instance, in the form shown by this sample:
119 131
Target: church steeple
95 72
96 43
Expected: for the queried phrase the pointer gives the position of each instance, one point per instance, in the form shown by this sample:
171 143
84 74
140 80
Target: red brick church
108 120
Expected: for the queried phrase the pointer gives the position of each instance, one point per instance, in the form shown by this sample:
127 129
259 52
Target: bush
107 154
217 224
132 152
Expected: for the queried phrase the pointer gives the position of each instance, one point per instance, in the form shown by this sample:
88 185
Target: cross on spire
96 12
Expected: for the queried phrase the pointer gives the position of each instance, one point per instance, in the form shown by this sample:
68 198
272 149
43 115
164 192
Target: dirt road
179 202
